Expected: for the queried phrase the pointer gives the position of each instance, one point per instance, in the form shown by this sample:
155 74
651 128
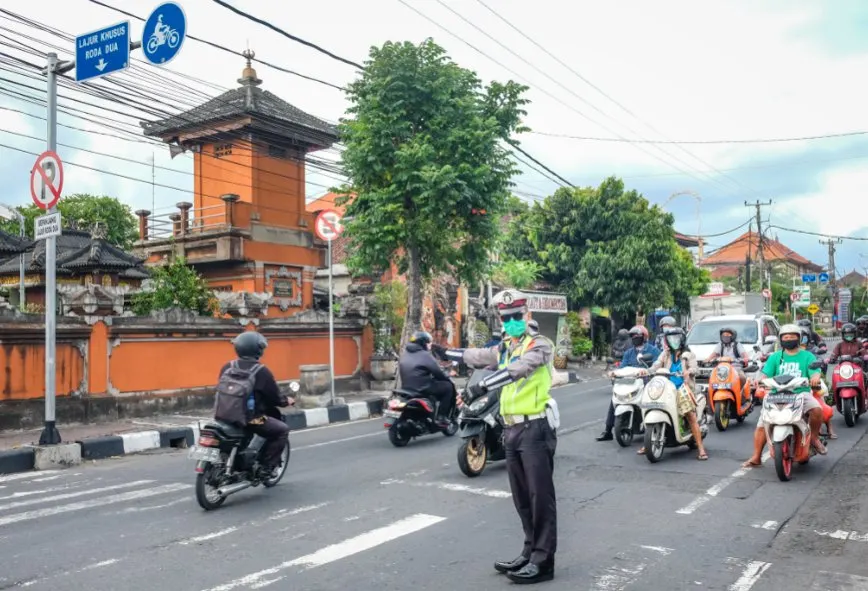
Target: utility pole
761 261
831 242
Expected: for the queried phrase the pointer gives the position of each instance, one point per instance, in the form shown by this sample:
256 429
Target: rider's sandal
702 456
641 452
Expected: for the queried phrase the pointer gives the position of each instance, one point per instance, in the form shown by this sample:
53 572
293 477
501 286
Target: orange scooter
729 396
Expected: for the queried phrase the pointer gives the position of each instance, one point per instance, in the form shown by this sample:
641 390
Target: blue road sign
102 52
164 33
809 278
824 278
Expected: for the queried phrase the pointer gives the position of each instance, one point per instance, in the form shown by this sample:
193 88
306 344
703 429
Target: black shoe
505 566
605 436
533 573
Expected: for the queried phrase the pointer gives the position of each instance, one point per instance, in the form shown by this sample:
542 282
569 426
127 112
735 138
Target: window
222 150
276 152
708 332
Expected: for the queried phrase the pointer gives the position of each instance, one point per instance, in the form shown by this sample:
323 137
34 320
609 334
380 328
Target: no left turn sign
328 225
46 180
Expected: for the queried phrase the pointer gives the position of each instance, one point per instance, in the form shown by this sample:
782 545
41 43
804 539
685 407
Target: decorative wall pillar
184 206
176 224
143 223
230 199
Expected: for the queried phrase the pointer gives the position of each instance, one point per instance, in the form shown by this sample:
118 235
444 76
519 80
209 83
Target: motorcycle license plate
204 454
391 413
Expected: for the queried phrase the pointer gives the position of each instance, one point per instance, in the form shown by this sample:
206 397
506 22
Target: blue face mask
515 328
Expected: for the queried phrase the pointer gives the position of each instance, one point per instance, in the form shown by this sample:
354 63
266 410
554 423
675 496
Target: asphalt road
355 513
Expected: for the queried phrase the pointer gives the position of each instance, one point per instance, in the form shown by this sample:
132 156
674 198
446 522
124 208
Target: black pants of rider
530 450
610 417
275 432
444 393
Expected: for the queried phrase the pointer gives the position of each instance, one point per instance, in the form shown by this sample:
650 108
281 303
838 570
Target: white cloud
835 209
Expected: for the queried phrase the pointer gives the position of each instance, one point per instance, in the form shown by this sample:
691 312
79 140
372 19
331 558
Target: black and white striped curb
95 448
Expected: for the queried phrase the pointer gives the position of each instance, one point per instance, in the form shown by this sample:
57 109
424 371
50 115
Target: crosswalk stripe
341 550
110 500
24 475
72 495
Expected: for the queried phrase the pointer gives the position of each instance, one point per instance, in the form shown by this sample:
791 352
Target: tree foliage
176 285
609 247
517 274
117 218
426 161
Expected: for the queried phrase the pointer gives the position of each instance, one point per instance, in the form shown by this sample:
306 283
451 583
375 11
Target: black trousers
530 450
610 416
444 393
275 432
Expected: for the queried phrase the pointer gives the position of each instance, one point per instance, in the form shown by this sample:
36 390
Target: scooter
481 428
786 429
730 397
663 426
848 388
628 383
409 414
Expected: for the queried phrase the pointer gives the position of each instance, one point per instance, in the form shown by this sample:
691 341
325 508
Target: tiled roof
734 253
10 244
77 252
327 201
241 101
685 240
853 278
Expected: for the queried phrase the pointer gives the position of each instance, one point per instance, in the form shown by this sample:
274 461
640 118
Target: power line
727 232
833 236
704 142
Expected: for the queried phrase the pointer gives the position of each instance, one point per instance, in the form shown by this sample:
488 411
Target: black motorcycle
228 461
481 427
409 414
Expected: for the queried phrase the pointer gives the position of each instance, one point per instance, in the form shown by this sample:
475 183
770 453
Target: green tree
176 285
518 274
426 161
688 279
117 218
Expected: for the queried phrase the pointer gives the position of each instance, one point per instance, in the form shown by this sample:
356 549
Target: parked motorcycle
729 397
663 426
409 415
786 429
481 429
848 388
228 461
627 385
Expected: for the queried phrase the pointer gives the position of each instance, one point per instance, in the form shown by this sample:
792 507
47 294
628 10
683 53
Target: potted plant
387 320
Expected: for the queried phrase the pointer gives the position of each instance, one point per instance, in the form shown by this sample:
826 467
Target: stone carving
92 300
242 304
285 301
175 316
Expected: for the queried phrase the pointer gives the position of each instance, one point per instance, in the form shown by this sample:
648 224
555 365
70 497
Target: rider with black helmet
814 339
420 373
267 420
849 345
730 347
862 327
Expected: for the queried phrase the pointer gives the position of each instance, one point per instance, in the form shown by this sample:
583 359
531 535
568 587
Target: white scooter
628 383
784 422
663 426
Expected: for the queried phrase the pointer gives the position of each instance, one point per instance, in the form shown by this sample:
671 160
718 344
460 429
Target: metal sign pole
50 435
331 326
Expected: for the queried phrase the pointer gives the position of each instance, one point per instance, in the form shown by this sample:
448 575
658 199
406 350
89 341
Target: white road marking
206 537
717 489
42 491
661 549
110 500
183 499
290 512
843 535
96 565
46 479
769 525
335 552
750 575
485 492
618 579
72 495
333 441
24 475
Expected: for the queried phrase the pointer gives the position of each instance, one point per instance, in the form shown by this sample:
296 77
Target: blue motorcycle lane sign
164 33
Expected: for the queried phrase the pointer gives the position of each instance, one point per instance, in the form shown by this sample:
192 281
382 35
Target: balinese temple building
11 248
247 229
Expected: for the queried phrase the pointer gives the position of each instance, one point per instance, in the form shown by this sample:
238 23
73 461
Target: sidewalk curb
109 446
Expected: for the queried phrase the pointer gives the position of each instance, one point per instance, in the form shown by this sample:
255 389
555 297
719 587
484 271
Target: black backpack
235 403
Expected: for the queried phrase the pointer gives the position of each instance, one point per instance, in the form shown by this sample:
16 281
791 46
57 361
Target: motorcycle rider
267 421
791 359
620 344
730 347
525 377
421 373
666 323
641 346
862 327
677 359
814 339
849 344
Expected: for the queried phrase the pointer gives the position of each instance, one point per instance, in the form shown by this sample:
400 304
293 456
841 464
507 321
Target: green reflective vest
527 396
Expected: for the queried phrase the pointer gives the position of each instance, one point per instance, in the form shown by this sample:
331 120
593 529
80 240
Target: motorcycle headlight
846 371
478 404
723 372
655 388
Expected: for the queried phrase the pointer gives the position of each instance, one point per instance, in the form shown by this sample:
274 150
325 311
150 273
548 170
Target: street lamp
698 215
11 213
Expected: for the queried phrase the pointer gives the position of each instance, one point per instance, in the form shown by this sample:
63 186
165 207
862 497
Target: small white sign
47 226
715 288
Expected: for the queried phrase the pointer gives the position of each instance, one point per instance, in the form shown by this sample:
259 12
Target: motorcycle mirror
771 340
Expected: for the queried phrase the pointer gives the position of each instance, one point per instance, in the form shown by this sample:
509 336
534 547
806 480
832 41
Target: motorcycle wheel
655 442
152 45
396 438
848 409
452 429
721 415
783 461
472 455
206 495
173 39
624 431
281 470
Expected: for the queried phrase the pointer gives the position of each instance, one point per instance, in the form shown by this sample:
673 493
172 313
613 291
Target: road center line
750 575
485 492
81 493
717 489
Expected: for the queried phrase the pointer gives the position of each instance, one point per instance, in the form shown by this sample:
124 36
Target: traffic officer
525 371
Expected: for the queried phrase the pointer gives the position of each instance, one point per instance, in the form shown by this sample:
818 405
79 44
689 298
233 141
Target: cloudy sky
610 83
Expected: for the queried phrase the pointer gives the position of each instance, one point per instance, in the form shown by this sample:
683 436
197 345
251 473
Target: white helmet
790 329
